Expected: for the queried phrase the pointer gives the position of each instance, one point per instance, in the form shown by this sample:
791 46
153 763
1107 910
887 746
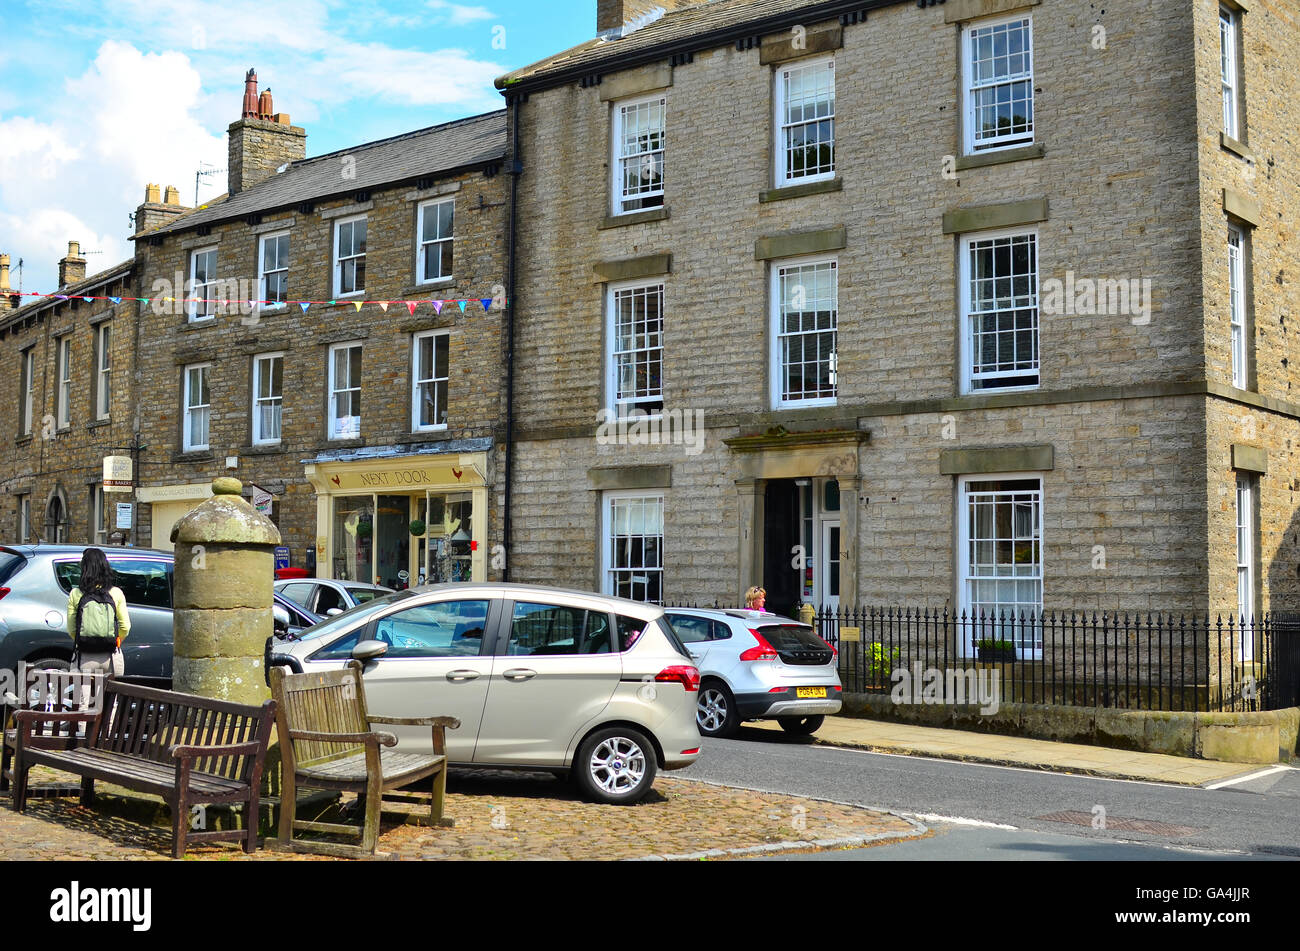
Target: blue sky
99 98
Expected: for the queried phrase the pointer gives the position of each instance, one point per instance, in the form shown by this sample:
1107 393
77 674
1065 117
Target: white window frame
417 380
1229 71
103 370
1245 523
420 243
98 530
24 518
27 395
619 159
262 272
277 400
783 174
334 390
967 344
63 363
620 407
1237 306
198 291
339 261
188 409
973 632
971 142
776 360
607 543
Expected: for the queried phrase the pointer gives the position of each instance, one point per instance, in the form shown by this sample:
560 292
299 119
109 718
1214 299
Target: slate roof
675 26
433 151
480 444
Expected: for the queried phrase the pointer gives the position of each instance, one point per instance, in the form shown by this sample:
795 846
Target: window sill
633 218
262 449
193 455
798 191
348 442
420 292
350 295
994 390
99 423
436 282
1000 156
200 324
1241 149
804 404
23 440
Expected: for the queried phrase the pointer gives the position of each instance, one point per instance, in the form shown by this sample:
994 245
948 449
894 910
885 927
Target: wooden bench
328 741
189 750
50 690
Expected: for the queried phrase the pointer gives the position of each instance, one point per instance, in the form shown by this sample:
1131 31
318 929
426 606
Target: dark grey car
35 581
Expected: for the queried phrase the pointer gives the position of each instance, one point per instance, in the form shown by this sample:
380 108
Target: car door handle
462 676
518 674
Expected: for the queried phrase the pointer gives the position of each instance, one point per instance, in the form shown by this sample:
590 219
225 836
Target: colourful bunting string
303 304
383 305
462 305
437 306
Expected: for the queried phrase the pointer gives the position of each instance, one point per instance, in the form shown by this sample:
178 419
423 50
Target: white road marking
960 821
1260 774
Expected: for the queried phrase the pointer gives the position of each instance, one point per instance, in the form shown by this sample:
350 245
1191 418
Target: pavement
881 736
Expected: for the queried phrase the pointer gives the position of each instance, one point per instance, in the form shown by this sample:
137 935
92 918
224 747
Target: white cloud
457 14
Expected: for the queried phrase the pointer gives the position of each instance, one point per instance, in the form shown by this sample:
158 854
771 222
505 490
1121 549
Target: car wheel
34 695
801 726
715 710
615 765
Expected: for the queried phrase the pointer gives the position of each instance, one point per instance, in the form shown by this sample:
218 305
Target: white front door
829 575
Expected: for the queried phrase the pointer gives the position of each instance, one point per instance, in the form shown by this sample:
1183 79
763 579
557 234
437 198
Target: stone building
68 360
987 304
327 332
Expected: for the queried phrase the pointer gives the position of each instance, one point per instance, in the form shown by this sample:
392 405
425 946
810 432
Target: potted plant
992 650
363 529
417 527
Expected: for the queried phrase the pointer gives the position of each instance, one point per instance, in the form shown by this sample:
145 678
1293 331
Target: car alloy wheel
615 765
715 710
37 698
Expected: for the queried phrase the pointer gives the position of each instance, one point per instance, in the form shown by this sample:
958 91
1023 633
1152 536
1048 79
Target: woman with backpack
97 618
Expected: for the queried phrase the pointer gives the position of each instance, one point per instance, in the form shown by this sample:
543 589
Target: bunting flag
303 304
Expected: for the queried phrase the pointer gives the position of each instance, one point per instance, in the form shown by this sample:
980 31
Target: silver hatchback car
758 666
593 687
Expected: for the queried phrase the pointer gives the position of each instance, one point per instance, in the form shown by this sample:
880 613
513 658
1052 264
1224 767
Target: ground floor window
1000 521
1245 547
56 520
354 529
404 540
24 518
633 545
449 536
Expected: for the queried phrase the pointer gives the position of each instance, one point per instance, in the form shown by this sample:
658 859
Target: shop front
168 504
402 520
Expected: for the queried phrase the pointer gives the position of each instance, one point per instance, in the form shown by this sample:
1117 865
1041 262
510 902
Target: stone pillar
225 566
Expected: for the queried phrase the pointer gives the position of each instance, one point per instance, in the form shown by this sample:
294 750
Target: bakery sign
118 474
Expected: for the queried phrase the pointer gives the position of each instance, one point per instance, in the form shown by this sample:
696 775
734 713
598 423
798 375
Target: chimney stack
154 212
73 267
612 14
8 300
261 141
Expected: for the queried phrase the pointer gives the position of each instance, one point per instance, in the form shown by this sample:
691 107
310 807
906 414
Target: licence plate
810 693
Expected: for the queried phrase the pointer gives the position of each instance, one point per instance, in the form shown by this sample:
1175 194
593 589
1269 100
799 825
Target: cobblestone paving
498 815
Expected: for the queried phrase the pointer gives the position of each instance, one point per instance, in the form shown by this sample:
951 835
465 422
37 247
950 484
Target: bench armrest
26 720
186 751
375 736
450 723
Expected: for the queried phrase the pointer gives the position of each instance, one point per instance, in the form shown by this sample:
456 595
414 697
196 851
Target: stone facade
1131 425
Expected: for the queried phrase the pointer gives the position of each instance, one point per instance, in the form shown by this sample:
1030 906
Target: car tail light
838 687
690 752
764 650
3 592
778 690
688 677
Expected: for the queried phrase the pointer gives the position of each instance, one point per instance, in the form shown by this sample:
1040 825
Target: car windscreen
10 562
337 622
791 637
362 595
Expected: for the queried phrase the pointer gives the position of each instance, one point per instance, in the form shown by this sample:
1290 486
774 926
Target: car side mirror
280 620
369 650
333 611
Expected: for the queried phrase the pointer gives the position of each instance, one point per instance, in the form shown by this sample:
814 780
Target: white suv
758 666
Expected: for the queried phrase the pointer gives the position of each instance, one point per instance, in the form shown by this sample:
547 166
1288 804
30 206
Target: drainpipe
516 169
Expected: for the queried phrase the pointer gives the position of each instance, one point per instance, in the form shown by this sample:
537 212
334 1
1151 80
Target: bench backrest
147 723
333 701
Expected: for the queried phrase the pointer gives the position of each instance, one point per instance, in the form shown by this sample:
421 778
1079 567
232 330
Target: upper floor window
1229 69
345 391
805 319
273 268
999 281
64 408
203 283
437 225
26 390
268 397
635 360
998 68
639 142
350 257
103 370
1237 304
430 375
198 407
805 122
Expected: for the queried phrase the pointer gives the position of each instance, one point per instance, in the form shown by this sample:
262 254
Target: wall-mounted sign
117 474
262 500
850 634
125 512
281 556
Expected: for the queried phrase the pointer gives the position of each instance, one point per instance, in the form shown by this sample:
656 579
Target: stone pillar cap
226 518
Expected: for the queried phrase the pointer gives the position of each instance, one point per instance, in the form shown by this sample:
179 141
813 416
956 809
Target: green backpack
96 623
